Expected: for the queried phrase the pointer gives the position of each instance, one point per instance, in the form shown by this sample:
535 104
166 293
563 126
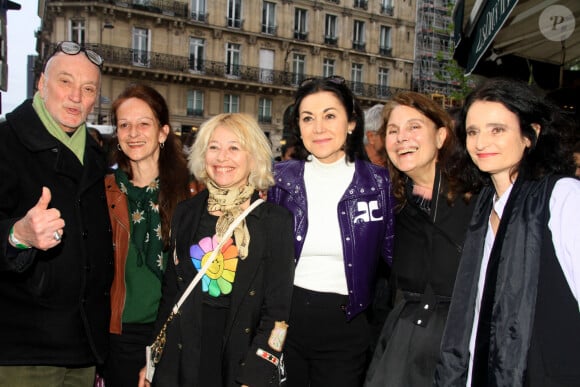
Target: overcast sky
21 26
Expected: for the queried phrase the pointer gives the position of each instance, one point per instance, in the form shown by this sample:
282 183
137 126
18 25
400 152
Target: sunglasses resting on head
73 48
336 79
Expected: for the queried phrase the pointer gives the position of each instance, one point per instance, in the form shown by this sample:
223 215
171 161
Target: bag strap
213 255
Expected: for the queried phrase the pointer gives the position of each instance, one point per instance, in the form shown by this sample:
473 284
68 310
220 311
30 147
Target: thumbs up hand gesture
41 227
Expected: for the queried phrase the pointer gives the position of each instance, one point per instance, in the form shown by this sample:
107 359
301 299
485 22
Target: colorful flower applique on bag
220 276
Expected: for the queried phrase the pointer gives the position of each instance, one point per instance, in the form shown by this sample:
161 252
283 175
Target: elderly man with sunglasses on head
55 251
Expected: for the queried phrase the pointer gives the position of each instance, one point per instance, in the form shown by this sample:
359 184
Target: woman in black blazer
230 330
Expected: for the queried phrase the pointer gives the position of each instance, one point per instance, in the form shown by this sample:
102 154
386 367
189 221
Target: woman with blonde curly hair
230 329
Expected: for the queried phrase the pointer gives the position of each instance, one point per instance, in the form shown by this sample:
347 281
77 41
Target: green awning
489 22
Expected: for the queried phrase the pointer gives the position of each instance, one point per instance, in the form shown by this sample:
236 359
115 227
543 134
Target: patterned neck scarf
145 222
228 202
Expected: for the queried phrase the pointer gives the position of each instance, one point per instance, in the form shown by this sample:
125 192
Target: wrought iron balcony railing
386 51
265 119
269 29
167 7
331 40
195 112
300 35
197 68
359 46
387 10
198 16
196 64
235 23
364 4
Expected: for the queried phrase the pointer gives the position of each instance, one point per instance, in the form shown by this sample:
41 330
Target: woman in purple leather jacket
343 224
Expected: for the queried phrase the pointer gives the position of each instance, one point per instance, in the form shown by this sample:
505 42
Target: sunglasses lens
70 48
306 81
337 79
94 57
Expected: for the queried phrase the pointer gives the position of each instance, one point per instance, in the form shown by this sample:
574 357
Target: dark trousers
127 355
46 376
323 349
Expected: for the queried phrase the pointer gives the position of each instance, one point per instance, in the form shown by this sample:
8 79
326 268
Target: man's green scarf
76 142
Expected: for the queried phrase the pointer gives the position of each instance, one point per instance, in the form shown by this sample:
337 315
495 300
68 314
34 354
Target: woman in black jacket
230 330
433 209
514 317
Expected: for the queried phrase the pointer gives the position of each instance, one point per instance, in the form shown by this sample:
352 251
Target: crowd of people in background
404 245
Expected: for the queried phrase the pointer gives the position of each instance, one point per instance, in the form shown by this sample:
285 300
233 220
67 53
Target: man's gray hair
373 119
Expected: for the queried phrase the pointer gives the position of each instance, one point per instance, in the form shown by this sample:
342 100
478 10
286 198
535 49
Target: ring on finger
56 236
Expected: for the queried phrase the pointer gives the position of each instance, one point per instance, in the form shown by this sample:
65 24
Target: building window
233 59
269 18
234 13
356 76
76 30
298 67
266 66
195 103
196 54
364 4
300 23
328 66
231 103
385 47
265 110
141 47
358 36
387 7
383 83
330 30
198 10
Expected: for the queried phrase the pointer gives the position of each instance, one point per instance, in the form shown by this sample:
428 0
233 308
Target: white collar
499 203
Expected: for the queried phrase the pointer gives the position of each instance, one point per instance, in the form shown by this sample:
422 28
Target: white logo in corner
557 23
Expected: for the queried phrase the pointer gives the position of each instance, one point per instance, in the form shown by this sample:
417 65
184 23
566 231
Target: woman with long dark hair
433 210
150 180
343 225
514 316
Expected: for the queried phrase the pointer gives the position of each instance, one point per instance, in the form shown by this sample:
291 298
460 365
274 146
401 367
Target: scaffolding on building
434 51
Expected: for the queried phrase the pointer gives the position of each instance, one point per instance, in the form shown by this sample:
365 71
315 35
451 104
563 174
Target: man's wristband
15 242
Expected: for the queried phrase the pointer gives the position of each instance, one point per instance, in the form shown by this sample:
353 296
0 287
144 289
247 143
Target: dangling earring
118 146
161 145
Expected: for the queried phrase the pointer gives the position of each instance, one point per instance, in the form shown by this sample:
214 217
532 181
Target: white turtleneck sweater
321 265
